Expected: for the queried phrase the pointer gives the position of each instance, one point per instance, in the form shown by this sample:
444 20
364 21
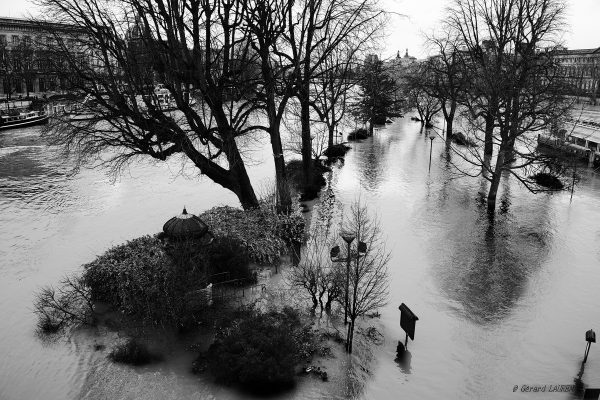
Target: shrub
358 134
462 140
295 173
229 255
139 278
337 150
548 180
132 352
263 232
260 351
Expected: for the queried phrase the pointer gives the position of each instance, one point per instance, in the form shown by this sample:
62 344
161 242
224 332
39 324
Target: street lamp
335 256
431 137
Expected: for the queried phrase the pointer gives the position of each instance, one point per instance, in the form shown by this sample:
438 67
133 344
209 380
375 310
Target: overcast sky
422 16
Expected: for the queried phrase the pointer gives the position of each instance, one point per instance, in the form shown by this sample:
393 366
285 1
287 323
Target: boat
23 119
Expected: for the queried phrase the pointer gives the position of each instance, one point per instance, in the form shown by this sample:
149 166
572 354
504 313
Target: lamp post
348 238
334 255
431 137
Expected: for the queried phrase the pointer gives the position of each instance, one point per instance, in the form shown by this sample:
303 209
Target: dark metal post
430 151
347 284
587 351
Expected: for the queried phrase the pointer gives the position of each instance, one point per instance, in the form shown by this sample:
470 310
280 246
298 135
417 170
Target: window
2 39
27 40
15 39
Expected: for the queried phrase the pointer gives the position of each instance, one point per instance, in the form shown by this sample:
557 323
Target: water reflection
373 158
485 267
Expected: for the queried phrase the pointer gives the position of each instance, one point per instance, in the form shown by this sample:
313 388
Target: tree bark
491 199
331 129
284 197
489 135
490 120
449 129
307 164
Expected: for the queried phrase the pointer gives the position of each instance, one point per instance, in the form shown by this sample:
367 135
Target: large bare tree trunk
307 164
493 192
284 197
489 135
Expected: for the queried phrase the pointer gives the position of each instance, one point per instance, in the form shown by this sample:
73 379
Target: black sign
591 393
408 320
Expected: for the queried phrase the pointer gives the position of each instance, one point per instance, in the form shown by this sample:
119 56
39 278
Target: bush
462 140
548 180
132 352
379 119
139 278
337 150
260 351
358 134
229 255
295 173
264 233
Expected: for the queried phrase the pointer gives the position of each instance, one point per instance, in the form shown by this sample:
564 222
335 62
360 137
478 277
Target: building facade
581 68
26 66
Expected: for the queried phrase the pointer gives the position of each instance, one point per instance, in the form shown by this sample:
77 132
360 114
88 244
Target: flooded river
499 306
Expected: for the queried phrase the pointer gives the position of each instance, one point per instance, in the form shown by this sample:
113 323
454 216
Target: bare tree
369 281
317 31
315 274
68 304
513 69
220 54
448 81
419 88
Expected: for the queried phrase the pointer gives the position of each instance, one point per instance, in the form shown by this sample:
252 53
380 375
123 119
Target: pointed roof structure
185 226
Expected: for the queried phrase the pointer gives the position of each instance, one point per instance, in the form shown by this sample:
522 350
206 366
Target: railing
236 289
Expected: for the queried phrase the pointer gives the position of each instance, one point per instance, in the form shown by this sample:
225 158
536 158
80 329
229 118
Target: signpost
408 320
590 337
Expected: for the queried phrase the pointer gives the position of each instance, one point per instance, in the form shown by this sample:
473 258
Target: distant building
400 66
25 63
581 68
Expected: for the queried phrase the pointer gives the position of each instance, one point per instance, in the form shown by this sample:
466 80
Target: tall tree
377 94
421 91
221 54
524 80
448 79
317 31
266 21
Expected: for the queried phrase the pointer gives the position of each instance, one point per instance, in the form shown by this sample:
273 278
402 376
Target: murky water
498 306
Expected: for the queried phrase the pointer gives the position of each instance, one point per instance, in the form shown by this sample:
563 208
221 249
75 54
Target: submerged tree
420 93
322 40
447 80
377 94
518 83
